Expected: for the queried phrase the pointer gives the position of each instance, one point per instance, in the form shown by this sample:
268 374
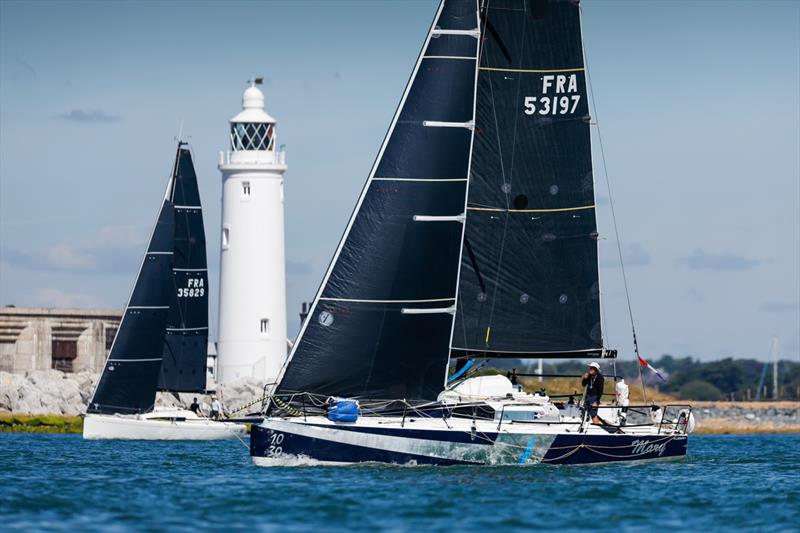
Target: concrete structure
211 360
252 302
71 340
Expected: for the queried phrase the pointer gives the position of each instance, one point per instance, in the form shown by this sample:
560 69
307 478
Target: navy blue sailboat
162 339
475 237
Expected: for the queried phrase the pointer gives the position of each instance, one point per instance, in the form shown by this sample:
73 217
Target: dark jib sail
128 382
183 368
381 322
529 275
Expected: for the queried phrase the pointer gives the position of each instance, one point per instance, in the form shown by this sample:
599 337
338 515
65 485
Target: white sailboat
159 424
474 238
162 339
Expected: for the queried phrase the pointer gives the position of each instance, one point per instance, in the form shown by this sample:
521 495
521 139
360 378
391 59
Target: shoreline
56 423
49 423
733 429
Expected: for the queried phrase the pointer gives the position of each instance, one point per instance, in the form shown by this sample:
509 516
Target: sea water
61 482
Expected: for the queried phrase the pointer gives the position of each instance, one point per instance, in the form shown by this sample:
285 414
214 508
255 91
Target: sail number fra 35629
556 98
194 289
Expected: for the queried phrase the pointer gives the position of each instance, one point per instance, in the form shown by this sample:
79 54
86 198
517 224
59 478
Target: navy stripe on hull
261 445
585 449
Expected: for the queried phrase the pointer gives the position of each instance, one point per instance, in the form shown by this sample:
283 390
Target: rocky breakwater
747 417
52 392
45 392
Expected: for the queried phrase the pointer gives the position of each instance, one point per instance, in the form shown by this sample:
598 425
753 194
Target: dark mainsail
128 382
183 368
381 322
529 274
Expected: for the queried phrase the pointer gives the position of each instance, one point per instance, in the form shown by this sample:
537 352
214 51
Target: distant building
64 339
211 360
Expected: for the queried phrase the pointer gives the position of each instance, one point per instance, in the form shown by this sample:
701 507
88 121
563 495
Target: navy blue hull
263 444
585 449
565 449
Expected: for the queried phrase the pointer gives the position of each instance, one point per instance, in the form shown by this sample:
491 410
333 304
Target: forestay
380 324
529 273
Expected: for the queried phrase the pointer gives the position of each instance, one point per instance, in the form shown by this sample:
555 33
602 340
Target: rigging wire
613 214
483 20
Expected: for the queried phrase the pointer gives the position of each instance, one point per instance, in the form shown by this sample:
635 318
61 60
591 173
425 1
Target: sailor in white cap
216 408
593 381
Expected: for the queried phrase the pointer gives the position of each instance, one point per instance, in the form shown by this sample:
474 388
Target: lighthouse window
245 190
265 325
225 238
252 136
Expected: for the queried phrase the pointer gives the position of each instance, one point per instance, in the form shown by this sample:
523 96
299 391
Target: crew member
593 381
195 407
216 408
512 376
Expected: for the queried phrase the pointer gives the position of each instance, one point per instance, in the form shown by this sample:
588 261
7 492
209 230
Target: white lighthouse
252 284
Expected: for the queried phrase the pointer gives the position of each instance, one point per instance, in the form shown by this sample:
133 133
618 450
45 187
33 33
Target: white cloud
88 115
634 255
120 237
780 307
111 249
702 260
64 256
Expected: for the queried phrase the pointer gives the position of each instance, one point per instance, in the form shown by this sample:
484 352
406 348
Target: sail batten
553 210
457 352
533 70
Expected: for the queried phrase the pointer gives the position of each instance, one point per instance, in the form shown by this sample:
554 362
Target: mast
478 33
774 352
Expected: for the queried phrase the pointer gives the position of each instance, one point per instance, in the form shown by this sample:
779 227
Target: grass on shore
40 423
559 387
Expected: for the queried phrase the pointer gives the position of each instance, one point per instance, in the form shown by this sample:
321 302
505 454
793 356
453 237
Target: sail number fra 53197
556 98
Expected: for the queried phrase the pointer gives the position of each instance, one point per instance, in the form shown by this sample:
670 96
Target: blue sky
698 104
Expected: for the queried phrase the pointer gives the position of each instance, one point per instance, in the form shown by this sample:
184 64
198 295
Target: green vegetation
700 390
690 379
40 423
736 379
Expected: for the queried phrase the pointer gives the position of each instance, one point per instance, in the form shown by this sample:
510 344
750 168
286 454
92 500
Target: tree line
691 379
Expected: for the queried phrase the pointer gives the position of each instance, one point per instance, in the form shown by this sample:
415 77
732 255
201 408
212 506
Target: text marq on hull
162 339
475 236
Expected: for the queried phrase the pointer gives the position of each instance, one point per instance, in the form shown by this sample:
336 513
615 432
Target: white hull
159 425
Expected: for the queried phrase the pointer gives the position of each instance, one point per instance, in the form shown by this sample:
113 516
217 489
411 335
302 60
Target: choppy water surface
63 482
